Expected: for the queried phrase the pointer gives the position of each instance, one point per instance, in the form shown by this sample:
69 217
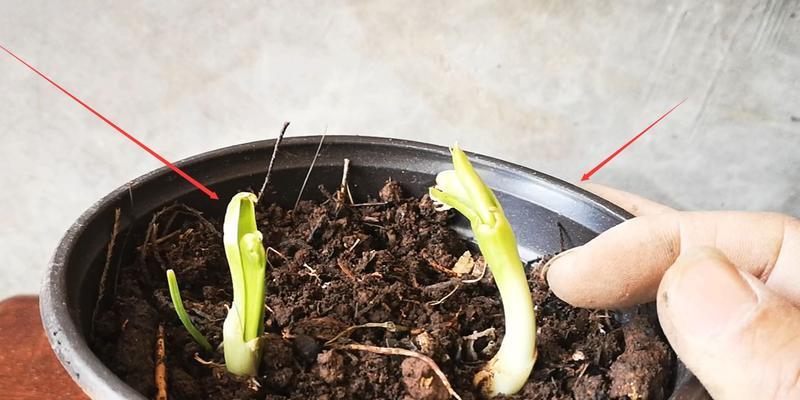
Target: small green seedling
175 293
462 189
244 325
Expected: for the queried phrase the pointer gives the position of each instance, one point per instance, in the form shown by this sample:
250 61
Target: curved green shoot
464 190
244 325
175 294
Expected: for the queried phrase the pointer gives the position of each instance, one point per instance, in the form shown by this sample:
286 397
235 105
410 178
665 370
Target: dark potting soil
391 267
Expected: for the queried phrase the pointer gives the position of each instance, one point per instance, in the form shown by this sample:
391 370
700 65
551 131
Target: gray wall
553 85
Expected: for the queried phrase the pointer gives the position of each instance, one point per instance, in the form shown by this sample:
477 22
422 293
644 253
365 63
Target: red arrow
177 170
589 174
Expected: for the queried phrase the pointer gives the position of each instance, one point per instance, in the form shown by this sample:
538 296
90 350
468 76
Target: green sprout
462 189
244 325
175 293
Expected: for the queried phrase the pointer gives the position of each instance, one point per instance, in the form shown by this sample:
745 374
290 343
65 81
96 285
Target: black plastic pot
536 204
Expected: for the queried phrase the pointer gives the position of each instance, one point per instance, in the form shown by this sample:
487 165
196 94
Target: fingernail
706 294
561 260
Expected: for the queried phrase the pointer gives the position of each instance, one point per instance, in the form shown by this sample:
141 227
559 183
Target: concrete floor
553 85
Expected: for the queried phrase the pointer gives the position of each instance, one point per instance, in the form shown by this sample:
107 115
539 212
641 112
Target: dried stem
272 160
435 265
389 326
166 237
272 249
161 365
440 301
312 272
393 351
207 363
101 291
441 286
563 236
370 204
479 277
346 270
130 194
341 195
310 168
343 187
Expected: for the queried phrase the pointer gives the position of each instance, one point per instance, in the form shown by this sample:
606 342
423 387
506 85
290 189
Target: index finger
624 265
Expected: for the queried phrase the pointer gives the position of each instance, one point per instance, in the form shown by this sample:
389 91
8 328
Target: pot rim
63 334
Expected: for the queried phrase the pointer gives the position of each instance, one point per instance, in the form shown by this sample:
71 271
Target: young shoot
175 294
462 189
244 325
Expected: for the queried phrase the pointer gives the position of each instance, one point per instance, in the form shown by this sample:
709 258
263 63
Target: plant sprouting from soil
462 189
175 294
244 325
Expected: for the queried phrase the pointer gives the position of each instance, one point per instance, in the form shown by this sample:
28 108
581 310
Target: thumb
739 338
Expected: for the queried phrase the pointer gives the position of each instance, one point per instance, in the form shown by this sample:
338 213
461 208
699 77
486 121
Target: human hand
727 287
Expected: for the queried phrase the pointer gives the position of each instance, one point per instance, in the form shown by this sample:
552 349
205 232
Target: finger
736 335
624 265
629 202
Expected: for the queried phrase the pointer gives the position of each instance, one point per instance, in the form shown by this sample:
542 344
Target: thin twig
340 197
375 225
170 221
389 326
346 269
276 252
169 236
440 301
185 210
199 215
562 235
156 252
343 185
370 204
130 194
310 168
435 265
101 291
393 351
441 285
452 282
206 362
143 248
349 195
173 234
353 247
118 266
479 278
583 370
312 272
151 235
272 160
161 365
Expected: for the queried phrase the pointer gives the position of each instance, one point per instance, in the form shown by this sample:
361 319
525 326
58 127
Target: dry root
104 277
440 301
389 326
161 365
272 160
393 351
